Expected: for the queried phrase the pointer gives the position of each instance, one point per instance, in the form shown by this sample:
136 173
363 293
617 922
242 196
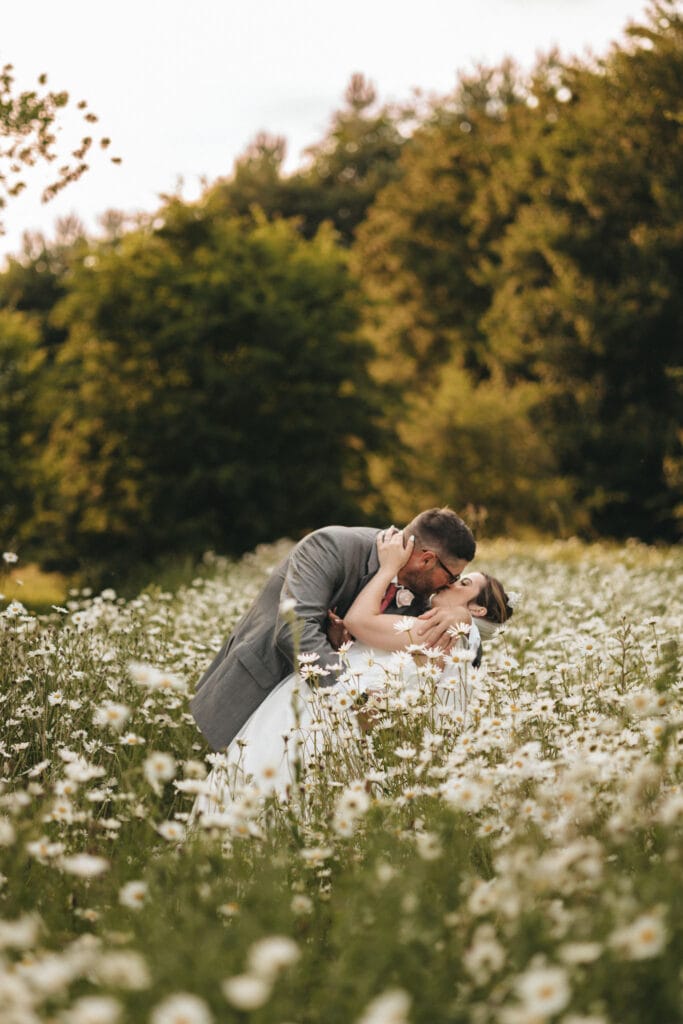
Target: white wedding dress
295 720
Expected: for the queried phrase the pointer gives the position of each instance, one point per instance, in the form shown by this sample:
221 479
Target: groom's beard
420 584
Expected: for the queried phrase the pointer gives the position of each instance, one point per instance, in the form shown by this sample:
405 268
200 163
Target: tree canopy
210 392
342 174
474 301
534 241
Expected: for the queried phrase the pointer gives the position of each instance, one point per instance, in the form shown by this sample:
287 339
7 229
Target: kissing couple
340 583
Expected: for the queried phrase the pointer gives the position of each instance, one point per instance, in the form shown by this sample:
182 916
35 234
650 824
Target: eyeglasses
452 577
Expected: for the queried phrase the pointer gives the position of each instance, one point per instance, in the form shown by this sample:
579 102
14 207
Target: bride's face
461 593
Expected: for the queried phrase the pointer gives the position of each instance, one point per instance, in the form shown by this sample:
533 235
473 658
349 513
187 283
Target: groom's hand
337 633
433 626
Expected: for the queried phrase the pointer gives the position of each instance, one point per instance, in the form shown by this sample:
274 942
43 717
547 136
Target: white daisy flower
84 865
246 991
133 895
181 1008
267 957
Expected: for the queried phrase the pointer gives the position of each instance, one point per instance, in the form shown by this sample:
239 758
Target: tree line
473 300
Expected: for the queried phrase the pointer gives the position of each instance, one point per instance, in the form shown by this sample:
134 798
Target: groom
324 570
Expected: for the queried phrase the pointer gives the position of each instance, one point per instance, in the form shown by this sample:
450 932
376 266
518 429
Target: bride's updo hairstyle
493 598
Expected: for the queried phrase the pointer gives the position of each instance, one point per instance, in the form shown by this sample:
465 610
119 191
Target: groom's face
425 572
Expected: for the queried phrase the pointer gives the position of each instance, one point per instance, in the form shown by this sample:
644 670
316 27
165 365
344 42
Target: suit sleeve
315 572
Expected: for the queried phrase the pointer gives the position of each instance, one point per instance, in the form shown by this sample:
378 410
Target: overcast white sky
181 86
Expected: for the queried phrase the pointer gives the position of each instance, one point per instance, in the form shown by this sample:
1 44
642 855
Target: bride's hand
391 551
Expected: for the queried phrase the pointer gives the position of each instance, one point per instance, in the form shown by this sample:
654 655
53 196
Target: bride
283 728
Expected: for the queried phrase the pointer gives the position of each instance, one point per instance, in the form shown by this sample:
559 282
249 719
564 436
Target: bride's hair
493 598
498 610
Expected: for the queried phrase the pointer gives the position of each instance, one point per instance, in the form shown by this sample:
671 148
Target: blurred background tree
427 253
210 393
426 237
534 238
21 358
342 175
475 299
587 296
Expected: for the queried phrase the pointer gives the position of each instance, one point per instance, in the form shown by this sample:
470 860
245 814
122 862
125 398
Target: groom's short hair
442 531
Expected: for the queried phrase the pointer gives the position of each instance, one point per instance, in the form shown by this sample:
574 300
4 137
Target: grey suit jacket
324 570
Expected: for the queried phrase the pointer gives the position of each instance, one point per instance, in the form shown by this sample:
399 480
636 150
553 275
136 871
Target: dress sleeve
314 574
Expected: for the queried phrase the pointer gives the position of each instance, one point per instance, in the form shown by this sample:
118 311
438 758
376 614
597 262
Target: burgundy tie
389 596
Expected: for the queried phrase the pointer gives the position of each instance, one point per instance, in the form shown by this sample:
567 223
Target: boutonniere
404 597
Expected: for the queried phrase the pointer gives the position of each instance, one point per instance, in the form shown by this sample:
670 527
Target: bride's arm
364 619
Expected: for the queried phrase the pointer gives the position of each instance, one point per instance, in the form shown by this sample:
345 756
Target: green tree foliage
358 157
429 234
425 255
344 171
203 383
34 281
587 292
474 445
535 237
211 392
258 181
21 358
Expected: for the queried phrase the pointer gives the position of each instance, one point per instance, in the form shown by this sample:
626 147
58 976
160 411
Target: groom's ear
416 559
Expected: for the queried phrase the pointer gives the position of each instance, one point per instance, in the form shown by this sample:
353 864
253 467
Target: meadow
516 858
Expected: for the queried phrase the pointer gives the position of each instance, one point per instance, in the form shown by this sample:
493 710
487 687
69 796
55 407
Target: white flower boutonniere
404 597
